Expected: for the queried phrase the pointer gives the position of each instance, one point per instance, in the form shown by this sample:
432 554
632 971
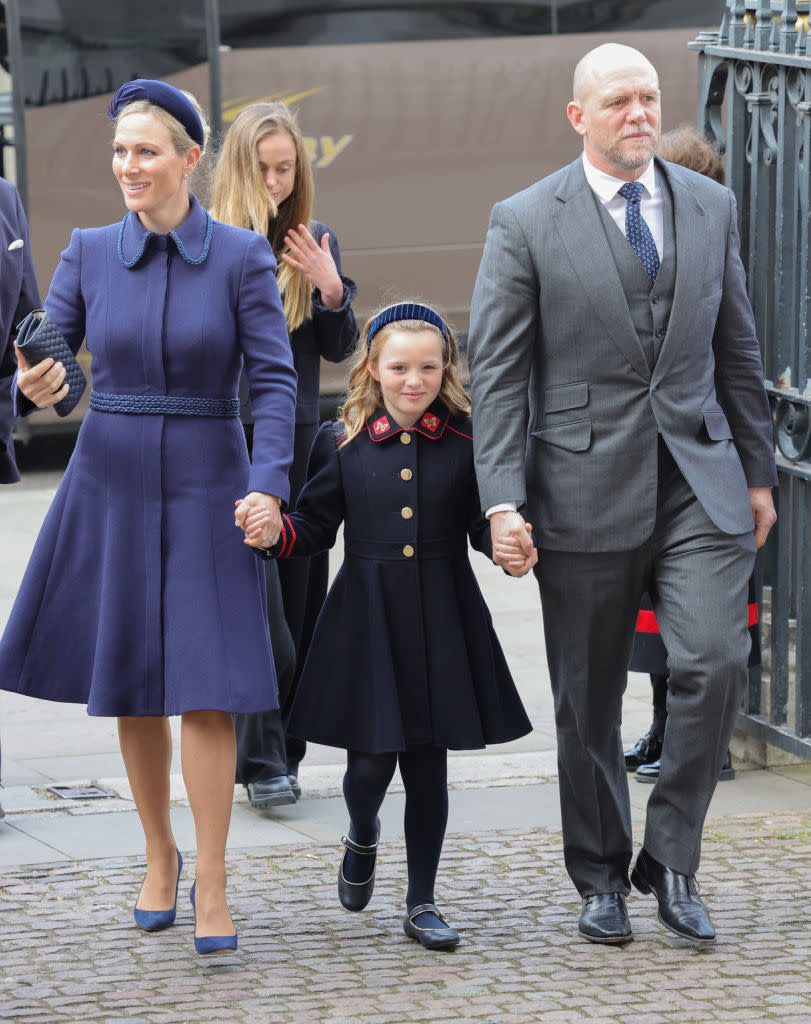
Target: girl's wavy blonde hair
239 195
364 394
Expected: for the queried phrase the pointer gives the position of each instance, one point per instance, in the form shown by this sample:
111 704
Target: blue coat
18 296
404 651
140 597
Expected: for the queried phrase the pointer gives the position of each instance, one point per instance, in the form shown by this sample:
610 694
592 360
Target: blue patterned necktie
637 231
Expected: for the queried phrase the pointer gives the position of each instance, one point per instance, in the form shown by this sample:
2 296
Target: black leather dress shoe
650 772
270 793
605 919
681 910
648 749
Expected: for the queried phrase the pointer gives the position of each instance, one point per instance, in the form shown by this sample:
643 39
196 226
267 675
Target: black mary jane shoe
431 938
644 751
681 909
605 919
356 895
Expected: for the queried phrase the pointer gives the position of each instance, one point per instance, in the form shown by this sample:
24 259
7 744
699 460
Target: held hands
513 549
259 516
43 384
763 513
315 263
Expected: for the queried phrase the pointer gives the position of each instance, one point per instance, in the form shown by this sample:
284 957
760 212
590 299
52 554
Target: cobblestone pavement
70 951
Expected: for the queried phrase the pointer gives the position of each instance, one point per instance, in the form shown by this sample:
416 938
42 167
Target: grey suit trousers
697 577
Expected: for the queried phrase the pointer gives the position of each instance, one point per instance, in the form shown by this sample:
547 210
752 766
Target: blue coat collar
431 424
192 238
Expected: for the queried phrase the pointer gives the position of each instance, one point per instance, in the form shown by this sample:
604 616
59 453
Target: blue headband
162 95
405 311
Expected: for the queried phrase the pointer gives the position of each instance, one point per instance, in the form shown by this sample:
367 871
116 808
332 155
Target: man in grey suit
618 396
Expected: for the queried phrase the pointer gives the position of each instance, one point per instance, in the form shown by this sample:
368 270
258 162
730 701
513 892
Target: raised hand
315 262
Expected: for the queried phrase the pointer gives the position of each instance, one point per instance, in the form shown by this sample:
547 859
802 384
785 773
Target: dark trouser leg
425 778
700 580
261 751
590 605
366 780
659 686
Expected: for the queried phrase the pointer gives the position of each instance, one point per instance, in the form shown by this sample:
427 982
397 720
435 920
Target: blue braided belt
163 405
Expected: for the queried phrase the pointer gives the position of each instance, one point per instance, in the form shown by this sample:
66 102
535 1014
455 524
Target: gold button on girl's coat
405 438
406 474
407 512
408 551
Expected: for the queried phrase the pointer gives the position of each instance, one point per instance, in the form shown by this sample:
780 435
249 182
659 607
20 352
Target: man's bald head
616 109
605 60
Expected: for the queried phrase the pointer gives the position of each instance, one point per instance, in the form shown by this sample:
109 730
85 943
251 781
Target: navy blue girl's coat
404 650
141 597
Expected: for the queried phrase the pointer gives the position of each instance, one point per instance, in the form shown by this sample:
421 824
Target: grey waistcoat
649 306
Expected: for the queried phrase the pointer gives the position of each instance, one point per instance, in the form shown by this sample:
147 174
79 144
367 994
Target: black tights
424 771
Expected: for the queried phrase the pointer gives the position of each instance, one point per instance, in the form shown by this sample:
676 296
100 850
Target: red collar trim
432 424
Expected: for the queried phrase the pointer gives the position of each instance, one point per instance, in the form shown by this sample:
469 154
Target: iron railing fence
755 102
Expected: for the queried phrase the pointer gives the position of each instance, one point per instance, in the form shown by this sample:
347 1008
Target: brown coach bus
419 115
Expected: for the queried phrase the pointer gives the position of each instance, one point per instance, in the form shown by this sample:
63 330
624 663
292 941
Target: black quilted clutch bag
38 338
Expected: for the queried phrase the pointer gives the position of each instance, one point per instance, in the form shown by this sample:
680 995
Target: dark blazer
404 651
568 410
18 296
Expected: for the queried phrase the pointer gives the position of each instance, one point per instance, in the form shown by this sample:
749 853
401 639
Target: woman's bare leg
208 750
146 746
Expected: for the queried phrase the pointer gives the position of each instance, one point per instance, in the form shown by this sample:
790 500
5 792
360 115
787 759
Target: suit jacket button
406 474
405 438
408 551
407 512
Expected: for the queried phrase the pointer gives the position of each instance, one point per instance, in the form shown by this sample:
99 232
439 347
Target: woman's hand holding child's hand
259 516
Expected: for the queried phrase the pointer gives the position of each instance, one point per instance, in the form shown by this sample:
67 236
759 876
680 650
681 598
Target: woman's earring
185 176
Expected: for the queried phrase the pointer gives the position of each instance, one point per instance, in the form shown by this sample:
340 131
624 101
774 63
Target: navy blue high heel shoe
157 920
211 943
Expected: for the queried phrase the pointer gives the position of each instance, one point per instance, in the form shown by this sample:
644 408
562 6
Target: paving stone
304 960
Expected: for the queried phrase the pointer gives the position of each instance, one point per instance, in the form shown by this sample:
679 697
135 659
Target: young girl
404 663
264 181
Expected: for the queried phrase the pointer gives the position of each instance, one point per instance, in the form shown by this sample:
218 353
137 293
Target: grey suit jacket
18 296
566 409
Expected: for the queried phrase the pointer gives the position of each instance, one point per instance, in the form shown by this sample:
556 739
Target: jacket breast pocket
566 396
574 436
716 425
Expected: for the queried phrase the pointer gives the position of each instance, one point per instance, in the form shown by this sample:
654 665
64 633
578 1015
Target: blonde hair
364 394
241 198
180 138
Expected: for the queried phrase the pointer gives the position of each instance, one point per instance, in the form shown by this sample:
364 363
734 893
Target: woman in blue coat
141 599
264 181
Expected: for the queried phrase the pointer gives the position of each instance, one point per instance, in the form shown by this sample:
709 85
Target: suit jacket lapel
583 237
691 264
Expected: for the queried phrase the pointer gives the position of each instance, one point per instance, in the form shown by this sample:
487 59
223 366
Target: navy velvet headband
162 95
405 311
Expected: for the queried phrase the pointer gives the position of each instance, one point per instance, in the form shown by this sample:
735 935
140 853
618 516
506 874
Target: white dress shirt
606 187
